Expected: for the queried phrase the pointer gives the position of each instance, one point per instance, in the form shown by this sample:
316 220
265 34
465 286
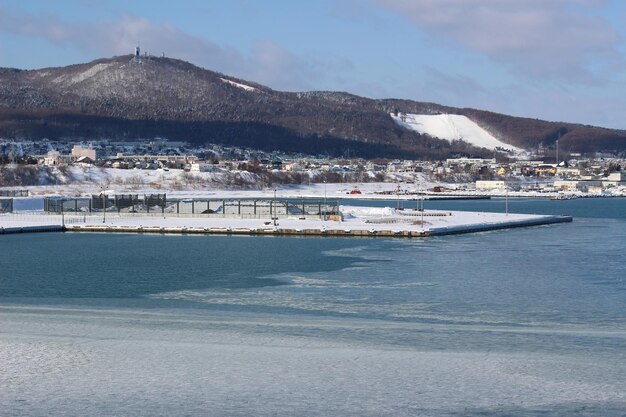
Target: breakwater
31 229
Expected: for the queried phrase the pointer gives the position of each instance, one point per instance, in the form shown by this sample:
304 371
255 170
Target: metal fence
121 203
6 205
158 204
14 193
252 208
67 205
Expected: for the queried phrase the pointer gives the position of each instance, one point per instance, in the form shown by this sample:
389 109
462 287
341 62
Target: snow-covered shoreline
177 183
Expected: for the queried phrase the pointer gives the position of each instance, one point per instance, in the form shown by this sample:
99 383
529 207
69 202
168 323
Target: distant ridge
128 97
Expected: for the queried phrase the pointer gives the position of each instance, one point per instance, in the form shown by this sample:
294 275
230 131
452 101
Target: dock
352 222
327 230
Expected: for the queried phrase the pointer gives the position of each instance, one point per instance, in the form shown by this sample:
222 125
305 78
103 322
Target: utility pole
104 206
506 199
557 152
274 214
324 200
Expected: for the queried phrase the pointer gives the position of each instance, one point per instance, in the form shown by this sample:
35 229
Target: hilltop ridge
129 97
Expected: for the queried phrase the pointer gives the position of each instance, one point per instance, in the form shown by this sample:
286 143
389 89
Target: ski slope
452 127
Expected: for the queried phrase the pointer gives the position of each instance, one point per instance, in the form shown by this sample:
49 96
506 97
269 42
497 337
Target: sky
561 60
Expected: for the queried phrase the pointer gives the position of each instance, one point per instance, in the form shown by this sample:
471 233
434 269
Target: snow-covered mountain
130 97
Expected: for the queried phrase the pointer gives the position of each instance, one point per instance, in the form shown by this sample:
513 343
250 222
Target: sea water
528 322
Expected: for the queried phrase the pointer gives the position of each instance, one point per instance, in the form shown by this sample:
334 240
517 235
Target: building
566 185
545 170
470 161
490 185
52 158
202 167
78 151
614 179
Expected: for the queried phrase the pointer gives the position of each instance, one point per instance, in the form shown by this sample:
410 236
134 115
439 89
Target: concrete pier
346 231
353 222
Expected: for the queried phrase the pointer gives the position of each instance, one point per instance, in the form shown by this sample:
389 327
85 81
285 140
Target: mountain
130 97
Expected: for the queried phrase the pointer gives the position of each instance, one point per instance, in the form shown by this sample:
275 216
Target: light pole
506 199
398 197
324 200
104 207
422 210
557 152
274 214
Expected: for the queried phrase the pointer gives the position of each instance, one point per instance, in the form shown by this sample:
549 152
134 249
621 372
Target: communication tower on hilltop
137 51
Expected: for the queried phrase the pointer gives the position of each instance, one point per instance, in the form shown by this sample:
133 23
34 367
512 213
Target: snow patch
452 127
238 85
83 75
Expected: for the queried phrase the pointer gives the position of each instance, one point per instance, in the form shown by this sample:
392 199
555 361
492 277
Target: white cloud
548 102
268 64
556 38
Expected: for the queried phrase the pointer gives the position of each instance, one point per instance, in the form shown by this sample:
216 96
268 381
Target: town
569 176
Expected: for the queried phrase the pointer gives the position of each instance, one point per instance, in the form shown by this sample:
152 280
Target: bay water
528 322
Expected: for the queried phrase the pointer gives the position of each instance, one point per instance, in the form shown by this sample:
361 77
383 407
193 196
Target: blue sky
549 59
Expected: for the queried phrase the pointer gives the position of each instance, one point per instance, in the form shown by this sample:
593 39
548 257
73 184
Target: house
293 166
52 158
276 163
545 170
85 161
79 151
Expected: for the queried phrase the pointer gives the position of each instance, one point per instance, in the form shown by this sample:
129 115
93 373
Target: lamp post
104 207
422 210
398 197
274 214
506 199
557 152
62 215
324 200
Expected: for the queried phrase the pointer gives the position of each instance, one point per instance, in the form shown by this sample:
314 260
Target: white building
79 151
52 158
566 185
470 161
293 166
202 167
490 185
614 179
617 176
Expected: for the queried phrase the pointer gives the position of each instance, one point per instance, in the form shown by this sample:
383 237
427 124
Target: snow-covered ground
177 183
81 181
369 220
452 127
238 85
